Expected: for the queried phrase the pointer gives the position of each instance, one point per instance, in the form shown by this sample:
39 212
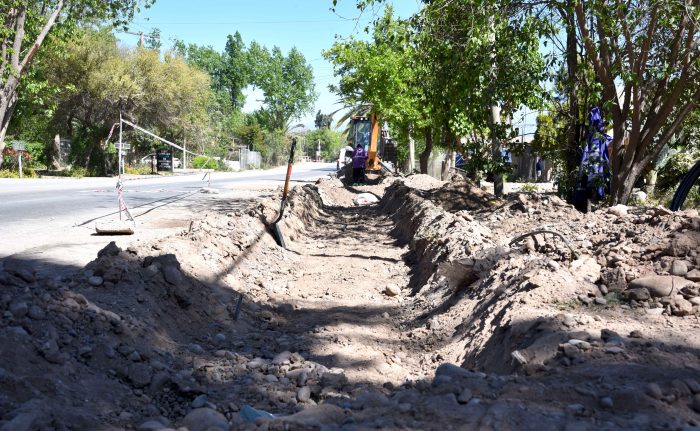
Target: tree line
65 75
455 74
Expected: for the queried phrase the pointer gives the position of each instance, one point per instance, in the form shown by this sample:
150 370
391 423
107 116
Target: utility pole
141 35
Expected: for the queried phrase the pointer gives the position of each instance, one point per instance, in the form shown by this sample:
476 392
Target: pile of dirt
410 314
460 194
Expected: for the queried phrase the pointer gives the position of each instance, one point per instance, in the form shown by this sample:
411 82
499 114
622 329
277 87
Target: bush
204 162
138 170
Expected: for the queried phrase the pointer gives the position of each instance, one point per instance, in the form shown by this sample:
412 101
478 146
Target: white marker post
19 147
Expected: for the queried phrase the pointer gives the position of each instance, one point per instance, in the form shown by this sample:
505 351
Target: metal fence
250 159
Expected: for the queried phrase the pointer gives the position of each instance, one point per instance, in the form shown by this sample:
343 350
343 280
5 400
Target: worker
539 167
359 159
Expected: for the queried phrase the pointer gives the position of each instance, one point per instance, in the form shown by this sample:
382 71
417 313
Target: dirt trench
415 313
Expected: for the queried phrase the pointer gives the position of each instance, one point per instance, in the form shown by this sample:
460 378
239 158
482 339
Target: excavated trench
415 313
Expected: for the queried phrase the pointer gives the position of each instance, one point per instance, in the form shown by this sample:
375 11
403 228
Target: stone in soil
205 419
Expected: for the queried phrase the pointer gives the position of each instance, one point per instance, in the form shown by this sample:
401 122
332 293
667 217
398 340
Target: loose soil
425 311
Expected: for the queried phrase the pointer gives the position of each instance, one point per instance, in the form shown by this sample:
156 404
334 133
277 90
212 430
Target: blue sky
309 25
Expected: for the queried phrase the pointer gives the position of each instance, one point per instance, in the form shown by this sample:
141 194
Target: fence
250 159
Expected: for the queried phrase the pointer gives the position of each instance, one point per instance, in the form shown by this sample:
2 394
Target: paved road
53 220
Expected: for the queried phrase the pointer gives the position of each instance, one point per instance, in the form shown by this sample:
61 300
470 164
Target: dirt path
346 263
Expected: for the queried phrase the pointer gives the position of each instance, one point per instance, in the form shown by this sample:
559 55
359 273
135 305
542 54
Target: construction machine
379 146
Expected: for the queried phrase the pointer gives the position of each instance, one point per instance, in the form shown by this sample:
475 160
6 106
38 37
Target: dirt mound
422 182
462 194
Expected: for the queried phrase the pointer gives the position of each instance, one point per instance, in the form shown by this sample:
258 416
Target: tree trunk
447 164
650 185
411 151
573 132
496 151
425 155
8 101
53 154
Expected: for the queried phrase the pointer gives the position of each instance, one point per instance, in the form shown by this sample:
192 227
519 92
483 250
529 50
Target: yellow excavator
366 131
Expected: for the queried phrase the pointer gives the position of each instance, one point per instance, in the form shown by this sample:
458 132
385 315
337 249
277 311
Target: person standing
359 160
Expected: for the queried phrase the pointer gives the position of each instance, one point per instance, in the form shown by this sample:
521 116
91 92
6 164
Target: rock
638 294
19 308
139 374
585 268
614 280
392 290
693 275
465 396
660 285
205 419
653 390
110 249
304 394
302 378
618 210
568 320
693 385
199 402
639 196
682 307
696 403
282 358
606 402
49 350
36 313
172 275
196 349
333 379
679 268
636 334
21 269
600 301
220 338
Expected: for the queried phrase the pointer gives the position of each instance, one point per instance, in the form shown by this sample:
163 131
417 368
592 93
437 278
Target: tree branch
42 35
19 36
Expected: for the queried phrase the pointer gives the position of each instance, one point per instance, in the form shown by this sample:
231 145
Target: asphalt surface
53 220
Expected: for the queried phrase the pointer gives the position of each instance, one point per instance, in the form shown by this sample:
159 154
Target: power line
295 21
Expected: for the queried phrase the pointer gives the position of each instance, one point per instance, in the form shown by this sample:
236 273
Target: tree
99 81
323 121
287 83
647 59
330 140
25 28
381 74
236 71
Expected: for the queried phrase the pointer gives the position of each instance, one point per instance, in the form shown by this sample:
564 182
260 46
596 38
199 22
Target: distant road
53 219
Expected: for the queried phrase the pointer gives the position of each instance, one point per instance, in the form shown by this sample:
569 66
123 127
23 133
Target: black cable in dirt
176 198
544 231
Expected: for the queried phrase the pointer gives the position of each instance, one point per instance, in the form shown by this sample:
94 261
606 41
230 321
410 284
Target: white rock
618 210
392 290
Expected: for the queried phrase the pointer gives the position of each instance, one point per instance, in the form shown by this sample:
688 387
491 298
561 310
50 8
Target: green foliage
251 135
330 140
323 120
287 83
204 162
139 170
674 167
98 80
529 188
